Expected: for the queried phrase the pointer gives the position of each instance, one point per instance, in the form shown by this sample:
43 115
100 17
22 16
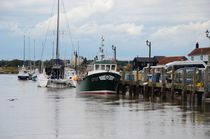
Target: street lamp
148 43
207 35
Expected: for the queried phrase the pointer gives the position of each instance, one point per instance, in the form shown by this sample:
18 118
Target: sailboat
23 73
57 79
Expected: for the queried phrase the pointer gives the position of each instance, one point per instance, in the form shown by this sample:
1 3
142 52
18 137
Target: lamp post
207 35
148 43
114 49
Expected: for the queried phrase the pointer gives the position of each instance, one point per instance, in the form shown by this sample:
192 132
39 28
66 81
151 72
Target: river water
30 112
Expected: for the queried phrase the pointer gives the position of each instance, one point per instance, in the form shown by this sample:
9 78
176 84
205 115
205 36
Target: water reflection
62 114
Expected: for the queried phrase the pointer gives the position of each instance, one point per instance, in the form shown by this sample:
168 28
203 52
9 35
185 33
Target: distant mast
101 49
57 40
24 45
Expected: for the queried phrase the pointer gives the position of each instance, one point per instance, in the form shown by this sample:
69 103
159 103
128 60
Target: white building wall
198 57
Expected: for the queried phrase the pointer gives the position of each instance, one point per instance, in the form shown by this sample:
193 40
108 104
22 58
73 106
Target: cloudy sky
173 27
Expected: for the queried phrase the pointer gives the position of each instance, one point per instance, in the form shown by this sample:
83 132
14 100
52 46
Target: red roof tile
200 51
166 60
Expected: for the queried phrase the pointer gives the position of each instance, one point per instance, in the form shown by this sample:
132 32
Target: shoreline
8 70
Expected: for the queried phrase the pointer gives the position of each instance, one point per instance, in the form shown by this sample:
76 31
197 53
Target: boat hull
21 77
101 83
59 83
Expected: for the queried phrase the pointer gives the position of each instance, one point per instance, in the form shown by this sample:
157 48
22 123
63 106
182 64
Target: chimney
197 45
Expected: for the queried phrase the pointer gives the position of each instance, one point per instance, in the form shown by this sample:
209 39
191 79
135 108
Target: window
107 67
192 58
97 67
102 67
113 67
201 57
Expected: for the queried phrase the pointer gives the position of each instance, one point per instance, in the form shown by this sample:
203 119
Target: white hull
23 74
60 83
42 80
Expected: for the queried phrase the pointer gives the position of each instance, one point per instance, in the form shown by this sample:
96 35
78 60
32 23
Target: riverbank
8 70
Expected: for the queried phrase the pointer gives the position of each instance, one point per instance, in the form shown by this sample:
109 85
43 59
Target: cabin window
113 67
102 67
107 67
97 67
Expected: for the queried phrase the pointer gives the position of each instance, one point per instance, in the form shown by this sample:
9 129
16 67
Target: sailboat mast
34 54
57 40
24 43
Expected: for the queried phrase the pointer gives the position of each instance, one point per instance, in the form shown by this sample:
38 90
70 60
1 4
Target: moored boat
103 78
23 74
57 77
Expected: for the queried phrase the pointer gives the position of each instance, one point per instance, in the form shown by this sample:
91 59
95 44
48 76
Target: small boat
61 77
34 75
103 77
23 73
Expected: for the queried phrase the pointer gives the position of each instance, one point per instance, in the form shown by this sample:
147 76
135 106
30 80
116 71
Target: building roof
200 51
166 60
146 59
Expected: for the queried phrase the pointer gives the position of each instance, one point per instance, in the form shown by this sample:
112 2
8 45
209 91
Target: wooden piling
172 82
153 85
162 90
184 93
193 92
206 79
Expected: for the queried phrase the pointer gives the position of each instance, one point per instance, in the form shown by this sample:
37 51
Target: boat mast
57 40
34 55
24 43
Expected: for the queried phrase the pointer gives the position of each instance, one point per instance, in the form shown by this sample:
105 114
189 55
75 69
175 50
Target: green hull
100 83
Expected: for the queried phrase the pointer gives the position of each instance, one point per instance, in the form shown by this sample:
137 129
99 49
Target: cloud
124 28
76 15
182 33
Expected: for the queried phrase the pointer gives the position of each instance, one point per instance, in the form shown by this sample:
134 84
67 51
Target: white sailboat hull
42 80
60 83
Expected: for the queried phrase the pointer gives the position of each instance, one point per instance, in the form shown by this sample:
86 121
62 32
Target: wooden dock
197 91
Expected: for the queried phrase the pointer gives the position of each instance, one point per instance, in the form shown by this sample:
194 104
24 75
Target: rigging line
68 26
48 26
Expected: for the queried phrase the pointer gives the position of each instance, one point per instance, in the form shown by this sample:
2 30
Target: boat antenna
101 49
57 40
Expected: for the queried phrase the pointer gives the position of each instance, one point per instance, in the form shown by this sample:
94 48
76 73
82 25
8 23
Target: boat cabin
108 66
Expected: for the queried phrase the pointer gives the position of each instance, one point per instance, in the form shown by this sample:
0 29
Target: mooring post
193 92
146 89
123 90
134 91
184 93
172 82
206 79
162 93
153 85
130 90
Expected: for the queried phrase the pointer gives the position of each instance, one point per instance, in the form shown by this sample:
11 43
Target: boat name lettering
106 77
